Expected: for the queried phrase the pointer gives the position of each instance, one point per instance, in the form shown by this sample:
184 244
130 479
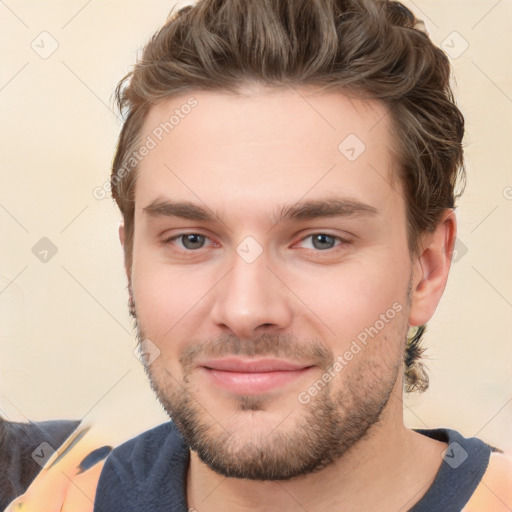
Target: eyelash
343 241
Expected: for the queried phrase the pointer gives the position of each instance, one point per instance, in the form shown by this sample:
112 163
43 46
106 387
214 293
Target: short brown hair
374 49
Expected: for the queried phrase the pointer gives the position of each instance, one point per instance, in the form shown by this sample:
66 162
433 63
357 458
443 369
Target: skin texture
243 157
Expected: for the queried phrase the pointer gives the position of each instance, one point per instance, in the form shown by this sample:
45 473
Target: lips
253 366
252 376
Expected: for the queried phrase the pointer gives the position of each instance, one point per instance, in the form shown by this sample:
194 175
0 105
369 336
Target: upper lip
232 364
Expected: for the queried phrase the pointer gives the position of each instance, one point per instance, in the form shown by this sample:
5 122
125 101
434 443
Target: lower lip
254 383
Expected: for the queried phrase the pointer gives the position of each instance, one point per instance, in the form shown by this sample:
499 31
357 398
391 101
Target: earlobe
121 233
431 268
122 239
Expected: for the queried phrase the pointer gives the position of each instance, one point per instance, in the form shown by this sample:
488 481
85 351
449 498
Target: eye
190 241
324 241
320 242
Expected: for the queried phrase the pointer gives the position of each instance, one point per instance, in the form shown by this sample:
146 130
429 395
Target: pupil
192 241
322 239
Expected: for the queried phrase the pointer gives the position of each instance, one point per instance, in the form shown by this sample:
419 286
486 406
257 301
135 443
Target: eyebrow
302 210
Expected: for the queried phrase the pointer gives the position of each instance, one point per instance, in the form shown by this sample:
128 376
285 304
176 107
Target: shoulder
144 453
152 463
18 467
495 489
149 440
464 463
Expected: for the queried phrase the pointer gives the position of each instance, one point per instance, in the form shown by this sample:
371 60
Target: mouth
253 376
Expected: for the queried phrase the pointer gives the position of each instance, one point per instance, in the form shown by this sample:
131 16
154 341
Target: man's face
280 326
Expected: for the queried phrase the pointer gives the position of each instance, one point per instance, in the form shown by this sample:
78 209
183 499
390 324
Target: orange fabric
59 487
494 493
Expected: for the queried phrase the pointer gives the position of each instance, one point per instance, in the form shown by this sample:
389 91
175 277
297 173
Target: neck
391 468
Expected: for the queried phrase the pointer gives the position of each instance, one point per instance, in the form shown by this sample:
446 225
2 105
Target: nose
251 299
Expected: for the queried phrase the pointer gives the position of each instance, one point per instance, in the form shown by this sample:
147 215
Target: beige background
66 345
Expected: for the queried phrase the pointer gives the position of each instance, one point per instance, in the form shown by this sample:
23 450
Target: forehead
266 146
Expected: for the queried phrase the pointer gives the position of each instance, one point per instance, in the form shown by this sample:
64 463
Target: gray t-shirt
148 472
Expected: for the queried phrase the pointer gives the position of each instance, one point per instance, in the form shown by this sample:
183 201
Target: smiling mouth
253 377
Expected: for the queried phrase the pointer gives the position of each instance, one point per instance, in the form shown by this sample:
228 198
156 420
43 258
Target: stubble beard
325 428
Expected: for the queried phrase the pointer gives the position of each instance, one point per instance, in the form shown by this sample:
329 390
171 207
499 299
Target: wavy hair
373 49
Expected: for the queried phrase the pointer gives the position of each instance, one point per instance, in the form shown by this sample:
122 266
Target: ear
122 239
121 233
431 268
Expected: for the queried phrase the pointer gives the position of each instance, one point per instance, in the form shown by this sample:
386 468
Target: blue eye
323 241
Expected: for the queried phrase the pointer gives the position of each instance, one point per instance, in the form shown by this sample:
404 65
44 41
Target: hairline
395 176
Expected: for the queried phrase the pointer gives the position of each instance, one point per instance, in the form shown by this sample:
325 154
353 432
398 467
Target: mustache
279 346
286 346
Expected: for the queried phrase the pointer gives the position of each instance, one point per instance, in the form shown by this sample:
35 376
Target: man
286 173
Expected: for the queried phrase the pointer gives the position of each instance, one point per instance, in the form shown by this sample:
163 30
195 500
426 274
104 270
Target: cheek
154 297
160 313
352 297
168 298
160 302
